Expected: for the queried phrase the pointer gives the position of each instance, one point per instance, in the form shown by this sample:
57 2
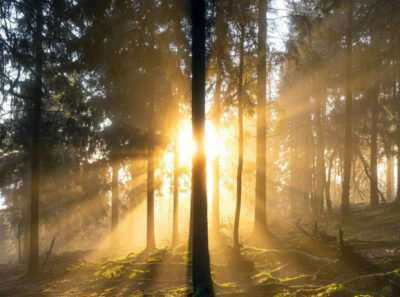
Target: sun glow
187 146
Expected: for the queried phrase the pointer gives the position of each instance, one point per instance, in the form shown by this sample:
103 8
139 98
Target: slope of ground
311 261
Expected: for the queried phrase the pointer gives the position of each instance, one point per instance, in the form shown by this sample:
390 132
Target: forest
200 148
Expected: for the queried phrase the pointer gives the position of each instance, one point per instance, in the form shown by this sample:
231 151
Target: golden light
212 141
187 146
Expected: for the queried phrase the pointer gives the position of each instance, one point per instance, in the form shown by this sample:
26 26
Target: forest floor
305 260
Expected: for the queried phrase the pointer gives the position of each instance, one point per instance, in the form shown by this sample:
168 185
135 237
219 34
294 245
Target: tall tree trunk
348 116
374 98
220 45
398 164
320 174
150 242
328 184
35 178
215 201
26 218
327 179
20 222
389 173
260 217
132 204
240 148
175 222
296 189
114 204
309 161
398 151
294 186
397 198
201 274
374 199
395 95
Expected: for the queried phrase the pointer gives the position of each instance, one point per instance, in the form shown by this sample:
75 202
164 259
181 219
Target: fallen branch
318 235
48 254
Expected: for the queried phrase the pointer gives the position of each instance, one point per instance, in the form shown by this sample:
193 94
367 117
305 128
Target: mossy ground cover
301 268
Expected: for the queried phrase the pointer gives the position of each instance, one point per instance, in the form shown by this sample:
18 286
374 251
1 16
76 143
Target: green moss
394 275
335 289
265 277
298 280
135 273
331 290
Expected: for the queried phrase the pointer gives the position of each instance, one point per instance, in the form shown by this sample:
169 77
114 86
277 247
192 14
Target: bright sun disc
187 147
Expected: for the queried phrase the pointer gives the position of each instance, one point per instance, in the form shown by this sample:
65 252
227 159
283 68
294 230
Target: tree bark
395 95
260 217
294 187
327 178
114 204
240 146
33 266
175 222
348 117
150 242
19 241
26 218
215 200
398 168
320 176
389 173
132 204
217 102
309 161
328 184
374 98
201 274
374 200
398 153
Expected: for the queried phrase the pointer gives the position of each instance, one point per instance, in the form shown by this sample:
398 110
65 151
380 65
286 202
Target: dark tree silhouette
348 116
201 274
374 98
35 178
219 44
240 142
320 176
151 243
260 218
